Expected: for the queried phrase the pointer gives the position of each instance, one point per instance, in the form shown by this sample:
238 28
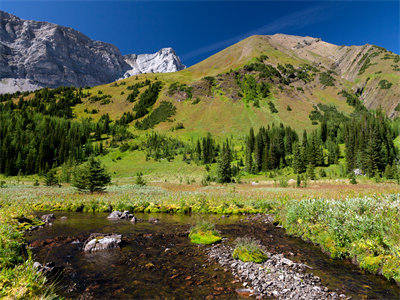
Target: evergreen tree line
33 143
37 134
367 137
269 149
147 99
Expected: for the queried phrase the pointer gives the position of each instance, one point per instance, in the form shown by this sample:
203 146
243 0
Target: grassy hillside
260 81
220 109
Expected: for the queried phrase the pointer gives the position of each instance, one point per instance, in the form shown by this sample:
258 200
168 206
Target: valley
270 169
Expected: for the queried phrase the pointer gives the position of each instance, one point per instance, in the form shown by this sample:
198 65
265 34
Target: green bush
326 79
272 107
384 84
204 233
161 114
11 246
249 250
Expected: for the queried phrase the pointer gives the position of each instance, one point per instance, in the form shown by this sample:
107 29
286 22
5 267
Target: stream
158 260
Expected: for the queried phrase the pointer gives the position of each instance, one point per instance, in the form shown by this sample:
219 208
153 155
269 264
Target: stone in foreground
99 242
48 218
118 215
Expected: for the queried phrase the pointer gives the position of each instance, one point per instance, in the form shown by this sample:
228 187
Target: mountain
40 54
222 94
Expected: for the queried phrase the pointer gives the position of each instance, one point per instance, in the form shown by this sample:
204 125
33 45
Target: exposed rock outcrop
163 61
41 54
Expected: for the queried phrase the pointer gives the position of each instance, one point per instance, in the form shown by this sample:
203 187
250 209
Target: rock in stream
99 242
118 215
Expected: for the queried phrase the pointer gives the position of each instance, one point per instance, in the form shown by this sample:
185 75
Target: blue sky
198 29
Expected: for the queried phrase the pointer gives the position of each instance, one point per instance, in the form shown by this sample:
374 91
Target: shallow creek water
158 261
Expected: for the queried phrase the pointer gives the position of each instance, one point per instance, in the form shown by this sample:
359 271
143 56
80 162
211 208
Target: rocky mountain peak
40 54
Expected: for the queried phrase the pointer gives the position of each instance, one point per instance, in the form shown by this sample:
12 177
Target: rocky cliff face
163 61
40 54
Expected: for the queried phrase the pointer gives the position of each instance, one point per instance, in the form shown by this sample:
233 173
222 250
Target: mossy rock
257 256
204 238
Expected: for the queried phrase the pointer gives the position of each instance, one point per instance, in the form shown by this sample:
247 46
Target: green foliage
139 179
50 178
180 87
283 182
91 176
196 100
224 171
369 143
135 90
326 79
178 126
32 143
204 233
210 79
159 146
147 99
352 178
384 84
11 246
351 99
266 71
361 228
310 171
249 250
252 90
272 107
366 61
290 74
161 114
104 99
268 149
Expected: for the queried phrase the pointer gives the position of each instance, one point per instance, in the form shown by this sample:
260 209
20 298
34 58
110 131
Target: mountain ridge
41 54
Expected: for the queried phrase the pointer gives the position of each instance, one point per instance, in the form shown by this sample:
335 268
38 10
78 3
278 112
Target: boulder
154 220
118 215
47 268
100 242
48 218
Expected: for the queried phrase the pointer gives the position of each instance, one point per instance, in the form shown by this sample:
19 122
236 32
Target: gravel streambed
277 277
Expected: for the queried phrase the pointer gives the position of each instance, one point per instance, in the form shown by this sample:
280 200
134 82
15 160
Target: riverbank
346 223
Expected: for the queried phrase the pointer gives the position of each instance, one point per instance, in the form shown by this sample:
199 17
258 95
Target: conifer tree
224 171
91 177
310 171
50 178
296 161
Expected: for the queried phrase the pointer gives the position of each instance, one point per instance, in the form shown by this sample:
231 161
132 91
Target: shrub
352 178
161 114
204 233
249 250
384 84
272 107
139 179
283 183
147 99
50 178
326 79
196 100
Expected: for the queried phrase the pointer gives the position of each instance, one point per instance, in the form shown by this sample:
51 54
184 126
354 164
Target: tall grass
365 229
